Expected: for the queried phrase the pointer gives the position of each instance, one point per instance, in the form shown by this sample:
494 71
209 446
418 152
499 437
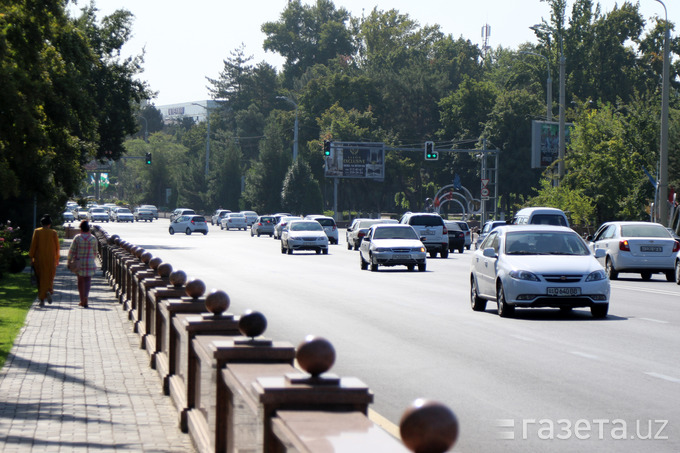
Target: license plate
564 291
428 232
651 248
401 257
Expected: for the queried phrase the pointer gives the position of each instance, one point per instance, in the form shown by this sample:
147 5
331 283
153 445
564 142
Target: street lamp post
562 125
548 82
295 133
663 147
207 136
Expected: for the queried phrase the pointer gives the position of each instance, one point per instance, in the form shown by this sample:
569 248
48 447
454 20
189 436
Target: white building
197 110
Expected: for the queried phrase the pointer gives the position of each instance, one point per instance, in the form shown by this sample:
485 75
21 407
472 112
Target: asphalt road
541 381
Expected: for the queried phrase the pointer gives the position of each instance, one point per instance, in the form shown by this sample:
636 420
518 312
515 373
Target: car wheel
477 303
646 276
290 251
445 253
188 231
325 251
670 276
504 309
227 228
609 269
364 264
349 246
422 267
460 250
410 267
356 246
677 272
251 234
221 227
599 311
318 252
467 247
172 230
433 254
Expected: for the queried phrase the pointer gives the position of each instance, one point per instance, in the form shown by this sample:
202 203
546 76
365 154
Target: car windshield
123 211
306 226
643 231
544 243
395 233
426 220
267 219
241 216
98 210
548 219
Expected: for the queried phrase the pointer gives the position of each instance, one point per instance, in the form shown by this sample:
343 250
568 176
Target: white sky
187 41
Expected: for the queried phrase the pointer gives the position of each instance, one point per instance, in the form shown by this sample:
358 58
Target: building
197 110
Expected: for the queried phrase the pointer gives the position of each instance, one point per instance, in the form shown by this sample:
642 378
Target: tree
301 193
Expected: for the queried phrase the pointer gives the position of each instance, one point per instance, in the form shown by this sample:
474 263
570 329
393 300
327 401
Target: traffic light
148 158
327 148
430 152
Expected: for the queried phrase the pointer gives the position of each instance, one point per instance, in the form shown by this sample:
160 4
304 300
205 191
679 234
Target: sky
187 41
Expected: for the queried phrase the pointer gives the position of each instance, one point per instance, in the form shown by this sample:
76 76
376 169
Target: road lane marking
520 337
663 376
655 320
646 289
583 354
384 423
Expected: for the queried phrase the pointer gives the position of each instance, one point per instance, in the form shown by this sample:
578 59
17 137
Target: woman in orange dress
44 254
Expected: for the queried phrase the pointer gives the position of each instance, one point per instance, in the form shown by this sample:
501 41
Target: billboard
356 160
545 142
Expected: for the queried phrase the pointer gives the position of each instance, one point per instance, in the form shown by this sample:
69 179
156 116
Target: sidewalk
76 380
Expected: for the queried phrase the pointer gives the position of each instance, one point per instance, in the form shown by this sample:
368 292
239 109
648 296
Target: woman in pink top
81 257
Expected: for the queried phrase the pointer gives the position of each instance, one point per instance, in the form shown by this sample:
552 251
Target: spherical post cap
315 355
164 270
139 252
428 427
252 324
155 262
195 288
217 302
146 257
178 278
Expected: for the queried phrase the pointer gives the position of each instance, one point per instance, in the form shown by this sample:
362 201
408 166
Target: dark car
456 236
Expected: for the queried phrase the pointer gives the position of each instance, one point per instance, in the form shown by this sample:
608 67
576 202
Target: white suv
430 227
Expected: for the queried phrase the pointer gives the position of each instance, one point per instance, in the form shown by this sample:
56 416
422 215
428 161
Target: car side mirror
589 238
423 239
489 252
600 253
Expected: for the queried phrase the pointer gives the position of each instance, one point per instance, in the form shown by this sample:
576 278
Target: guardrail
236 390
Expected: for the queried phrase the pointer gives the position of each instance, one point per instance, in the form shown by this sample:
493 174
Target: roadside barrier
236 390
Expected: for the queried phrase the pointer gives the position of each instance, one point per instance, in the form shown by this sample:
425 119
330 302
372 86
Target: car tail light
192 221
360 235
624 246
445 231
676 247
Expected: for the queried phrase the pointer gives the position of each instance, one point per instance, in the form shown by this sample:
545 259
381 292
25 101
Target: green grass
16 296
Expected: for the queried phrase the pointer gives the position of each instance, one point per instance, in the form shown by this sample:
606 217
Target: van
541 216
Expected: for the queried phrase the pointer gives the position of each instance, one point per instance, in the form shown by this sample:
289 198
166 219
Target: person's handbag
34 276
72 265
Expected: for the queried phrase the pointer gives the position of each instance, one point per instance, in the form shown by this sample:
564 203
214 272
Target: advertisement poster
356 160
545 142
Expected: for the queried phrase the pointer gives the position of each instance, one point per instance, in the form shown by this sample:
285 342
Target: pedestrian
44 254
81 260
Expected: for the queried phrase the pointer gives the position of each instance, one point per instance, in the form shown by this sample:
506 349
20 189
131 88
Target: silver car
358 229
263 225
392 245
329 226
234 220
636 247
304 235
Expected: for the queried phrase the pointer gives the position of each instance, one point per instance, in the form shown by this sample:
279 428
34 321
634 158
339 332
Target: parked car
251 217
540 216
304 235
234 220
152 208
429 226
189 224
180 212
263 225
143 214
97 214
329 226
283 221
456 236
217 216
358 229
636 247
123 215
531 266
488 227
392 245
68 216
468 233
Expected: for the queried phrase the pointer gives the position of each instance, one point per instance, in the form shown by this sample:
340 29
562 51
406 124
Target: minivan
541 216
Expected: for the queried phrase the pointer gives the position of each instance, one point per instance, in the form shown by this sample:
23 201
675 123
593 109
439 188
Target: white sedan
234 220
304 235
392 245
537 266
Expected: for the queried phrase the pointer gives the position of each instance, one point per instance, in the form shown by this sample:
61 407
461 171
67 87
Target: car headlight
596 276
419 249
381 250
524 275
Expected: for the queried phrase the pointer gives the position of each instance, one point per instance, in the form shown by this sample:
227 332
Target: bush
11 256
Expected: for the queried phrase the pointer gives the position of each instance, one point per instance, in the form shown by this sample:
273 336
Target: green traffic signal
327 148
430 152
148 158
